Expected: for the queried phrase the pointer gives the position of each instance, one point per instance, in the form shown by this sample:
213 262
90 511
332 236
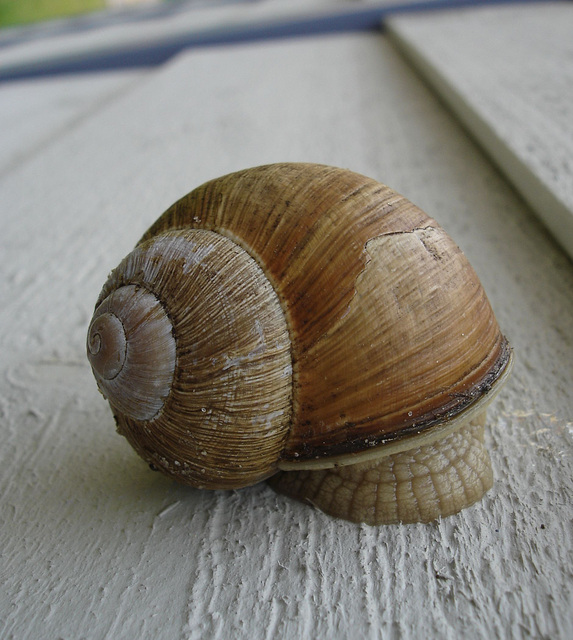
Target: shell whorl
226 416
392 332
132 352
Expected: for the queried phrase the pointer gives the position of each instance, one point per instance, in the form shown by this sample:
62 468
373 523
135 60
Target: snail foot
419 485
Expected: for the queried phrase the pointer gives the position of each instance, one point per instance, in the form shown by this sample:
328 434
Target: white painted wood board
95 545
507 73
33 113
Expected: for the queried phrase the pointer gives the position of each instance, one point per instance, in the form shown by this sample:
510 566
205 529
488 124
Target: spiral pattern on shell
309 316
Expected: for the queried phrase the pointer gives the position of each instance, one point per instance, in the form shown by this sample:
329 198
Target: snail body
309 325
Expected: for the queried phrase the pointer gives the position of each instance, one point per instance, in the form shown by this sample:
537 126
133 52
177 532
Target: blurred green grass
13 12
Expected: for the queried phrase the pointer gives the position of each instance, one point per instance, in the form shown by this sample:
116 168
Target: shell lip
423 433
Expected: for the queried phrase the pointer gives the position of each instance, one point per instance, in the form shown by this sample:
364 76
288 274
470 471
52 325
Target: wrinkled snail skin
306 324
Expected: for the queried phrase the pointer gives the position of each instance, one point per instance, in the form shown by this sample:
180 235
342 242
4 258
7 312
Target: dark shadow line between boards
152 54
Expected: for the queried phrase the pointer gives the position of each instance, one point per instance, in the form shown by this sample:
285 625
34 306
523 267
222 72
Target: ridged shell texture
317 315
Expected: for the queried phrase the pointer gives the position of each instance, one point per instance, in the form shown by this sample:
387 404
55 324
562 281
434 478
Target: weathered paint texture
93 544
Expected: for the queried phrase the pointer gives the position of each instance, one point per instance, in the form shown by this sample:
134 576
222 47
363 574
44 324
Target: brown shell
391 333
226 418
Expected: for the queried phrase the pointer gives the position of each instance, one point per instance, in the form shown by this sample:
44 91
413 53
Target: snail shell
307 323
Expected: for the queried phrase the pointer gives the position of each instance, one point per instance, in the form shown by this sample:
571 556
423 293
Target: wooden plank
33 114
93 544
504 71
